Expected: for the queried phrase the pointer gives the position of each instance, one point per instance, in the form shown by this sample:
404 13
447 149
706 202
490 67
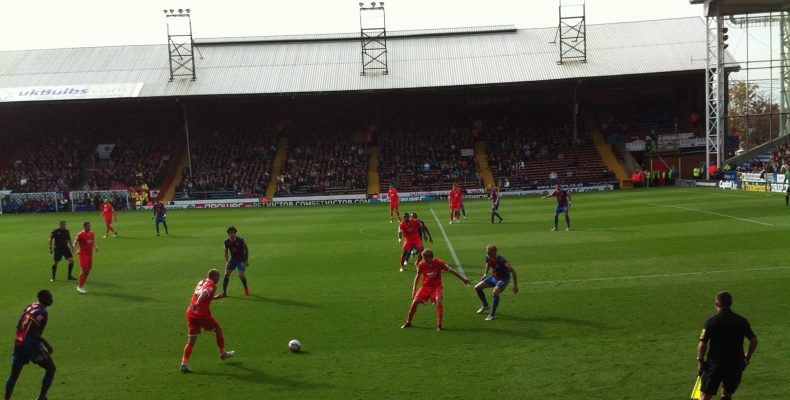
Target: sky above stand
47 24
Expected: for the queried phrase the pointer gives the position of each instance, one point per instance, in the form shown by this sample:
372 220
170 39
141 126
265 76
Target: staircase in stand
373 170
609 159
277 166
482 161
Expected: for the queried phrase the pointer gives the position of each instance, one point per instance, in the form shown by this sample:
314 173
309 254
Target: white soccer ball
294 346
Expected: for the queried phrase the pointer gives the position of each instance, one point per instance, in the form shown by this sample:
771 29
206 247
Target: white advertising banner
70 92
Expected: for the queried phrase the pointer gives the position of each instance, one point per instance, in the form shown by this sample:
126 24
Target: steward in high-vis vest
697 172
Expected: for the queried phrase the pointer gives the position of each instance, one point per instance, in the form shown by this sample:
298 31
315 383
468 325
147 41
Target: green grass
610 310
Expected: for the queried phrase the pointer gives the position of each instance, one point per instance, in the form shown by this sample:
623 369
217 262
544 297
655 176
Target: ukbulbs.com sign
70 92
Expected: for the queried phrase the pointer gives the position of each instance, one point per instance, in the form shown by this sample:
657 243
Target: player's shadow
104 284
282 302
121 296
238 370
528 333
554 320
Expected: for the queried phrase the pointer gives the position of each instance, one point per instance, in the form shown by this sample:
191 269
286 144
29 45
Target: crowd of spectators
138 158
778 162
419 155
46 163
233 157
322 162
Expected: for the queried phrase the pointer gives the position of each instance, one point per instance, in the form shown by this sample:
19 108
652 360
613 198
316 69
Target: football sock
82 279
412 310
244 281
556 219
482 297
439 313
225 284
71 269
221 343
165 225
568 221
497 215
463 211
157 228
54 269
496 304
46 382
187 353
787 200
9 386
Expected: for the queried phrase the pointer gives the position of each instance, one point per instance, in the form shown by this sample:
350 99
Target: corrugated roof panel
471 58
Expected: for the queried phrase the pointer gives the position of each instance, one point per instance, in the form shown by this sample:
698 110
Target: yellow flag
695 393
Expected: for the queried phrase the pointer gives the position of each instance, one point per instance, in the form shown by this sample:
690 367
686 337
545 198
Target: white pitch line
449 246
713 213
614 278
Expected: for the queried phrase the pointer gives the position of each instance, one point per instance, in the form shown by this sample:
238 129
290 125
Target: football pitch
612 309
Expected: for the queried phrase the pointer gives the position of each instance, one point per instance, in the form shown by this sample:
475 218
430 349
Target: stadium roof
332 63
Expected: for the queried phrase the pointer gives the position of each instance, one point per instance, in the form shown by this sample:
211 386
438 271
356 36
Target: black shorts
62 253
727 375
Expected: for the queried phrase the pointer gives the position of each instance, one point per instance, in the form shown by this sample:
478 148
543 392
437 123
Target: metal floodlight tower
784 109
572 32
715 91
373 36
180 44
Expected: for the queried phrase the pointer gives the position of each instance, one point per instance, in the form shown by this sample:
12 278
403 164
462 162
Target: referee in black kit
62 239
724 333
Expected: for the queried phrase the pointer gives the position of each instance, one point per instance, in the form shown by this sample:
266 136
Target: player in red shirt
409 229
431 289
199 318
109 216
86 244
392 194
455 196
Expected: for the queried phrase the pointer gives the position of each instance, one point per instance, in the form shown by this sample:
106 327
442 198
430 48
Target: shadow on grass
486 331
241 372
554 320
121 296
282 302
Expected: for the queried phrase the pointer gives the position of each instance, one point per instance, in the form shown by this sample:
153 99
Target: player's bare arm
50 243
414 285
752 347
515 278
246 254
226 255
548 195
702 348
457 275
400 235
200 300
485 272
35 335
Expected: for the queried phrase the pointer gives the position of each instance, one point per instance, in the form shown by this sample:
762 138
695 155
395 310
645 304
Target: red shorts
426 293
455 206
86 263
409 245
394 204
196 324
108 221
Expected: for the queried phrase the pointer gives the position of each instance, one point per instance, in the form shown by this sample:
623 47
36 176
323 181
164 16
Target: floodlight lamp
381 4
165 11
180 10
373 4
724 30
724 38
725 46
172 11
361 5
188 11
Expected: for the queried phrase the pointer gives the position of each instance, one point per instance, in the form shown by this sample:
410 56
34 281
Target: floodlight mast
572 32
373 38
180 45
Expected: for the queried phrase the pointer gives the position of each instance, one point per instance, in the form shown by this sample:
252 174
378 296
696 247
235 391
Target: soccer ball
294 346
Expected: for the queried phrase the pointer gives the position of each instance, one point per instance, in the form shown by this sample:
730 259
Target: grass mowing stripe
612 278
449 246
713 213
